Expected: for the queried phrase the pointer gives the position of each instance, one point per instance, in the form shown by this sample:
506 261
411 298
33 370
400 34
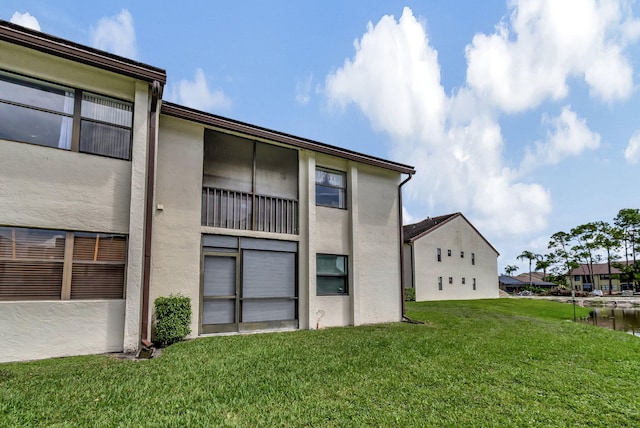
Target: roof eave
52 45
215 121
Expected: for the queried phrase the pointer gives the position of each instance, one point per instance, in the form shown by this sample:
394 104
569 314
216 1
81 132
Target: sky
522 115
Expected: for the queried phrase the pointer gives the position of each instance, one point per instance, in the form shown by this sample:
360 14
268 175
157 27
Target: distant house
582 280
446 258
515 284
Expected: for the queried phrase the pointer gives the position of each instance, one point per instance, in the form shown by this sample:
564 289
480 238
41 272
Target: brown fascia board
458 214
215 121
52 45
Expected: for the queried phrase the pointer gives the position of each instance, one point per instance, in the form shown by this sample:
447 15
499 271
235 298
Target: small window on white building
450 280
440 283
463 280
439 255
474 284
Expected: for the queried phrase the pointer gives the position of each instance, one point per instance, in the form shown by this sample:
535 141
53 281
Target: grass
507 362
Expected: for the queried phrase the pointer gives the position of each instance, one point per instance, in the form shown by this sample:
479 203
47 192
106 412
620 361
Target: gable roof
598 268
517 281
535 276
415 231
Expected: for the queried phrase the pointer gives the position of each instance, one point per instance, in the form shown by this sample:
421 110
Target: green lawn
508 362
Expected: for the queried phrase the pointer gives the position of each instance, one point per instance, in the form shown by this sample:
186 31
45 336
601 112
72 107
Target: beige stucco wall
329 233
177 231
456 235
366 232
378 270
51 188
44 329
65 72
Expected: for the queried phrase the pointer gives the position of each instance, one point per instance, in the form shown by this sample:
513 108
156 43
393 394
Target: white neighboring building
446 258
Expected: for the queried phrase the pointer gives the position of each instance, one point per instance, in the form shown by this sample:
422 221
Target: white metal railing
246 211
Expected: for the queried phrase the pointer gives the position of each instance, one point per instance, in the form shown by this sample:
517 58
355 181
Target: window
38 264
474 284
473 258
463 281
37 112
331 188
462 254
450 280
440 283
449 253
604 276
439 254
576 278
331 275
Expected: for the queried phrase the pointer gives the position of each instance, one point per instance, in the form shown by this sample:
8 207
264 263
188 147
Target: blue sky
523 115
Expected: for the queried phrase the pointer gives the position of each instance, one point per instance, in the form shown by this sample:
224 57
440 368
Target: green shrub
173 318
409 294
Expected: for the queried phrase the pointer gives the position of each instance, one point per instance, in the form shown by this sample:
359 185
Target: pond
627 320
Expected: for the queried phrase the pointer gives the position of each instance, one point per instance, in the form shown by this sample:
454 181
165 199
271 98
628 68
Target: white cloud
303 90
632 152
531 56
116 34
196 94
393 74
569 136
26 20
454 142
407 218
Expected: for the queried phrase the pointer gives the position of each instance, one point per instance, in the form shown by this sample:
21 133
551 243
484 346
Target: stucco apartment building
446 258
110 198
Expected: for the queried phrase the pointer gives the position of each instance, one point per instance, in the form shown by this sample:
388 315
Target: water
627 320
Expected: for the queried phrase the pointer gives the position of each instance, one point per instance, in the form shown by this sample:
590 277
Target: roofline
186 113
454 215
52 45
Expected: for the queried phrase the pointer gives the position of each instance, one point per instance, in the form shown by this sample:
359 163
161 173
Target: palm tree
531 256
543 263
510 269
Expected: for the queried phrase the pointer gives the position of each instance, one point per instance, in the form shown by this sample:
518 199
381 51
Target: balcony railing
246 211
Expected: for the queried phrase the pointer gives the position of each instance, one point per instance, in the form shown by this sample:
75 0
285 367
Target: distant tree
585 246
608 238
628 221
544 262
510 269
561 253
531 256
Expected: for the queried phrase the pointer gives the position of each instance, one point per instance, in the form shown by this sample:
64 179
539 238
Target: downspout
156 93
401 235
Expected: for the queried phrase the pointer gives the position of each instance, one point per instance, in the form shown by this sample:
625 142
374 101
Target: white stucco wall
177 231
456 235
44 329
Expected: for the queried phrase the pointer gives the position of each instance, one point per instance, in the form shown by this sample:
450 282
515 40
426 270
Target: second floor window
331 188
46 114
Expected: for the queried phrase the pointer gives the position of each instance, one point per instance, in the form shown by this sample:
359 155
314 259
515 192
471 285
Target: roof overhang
46 43
215 121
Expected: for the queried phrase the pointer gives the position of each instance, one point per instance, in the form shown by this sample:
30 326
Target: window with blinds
38 264
43 113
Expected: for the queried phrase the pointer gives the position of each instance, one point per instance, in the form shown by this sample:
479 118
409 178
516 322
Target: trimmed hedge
173 318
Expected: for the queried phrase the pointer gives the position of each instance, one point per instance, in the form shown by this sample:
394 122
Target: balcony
246 211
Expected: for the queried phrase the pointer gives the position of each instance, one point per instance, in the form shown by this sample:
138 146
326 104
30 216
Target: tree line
616 243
